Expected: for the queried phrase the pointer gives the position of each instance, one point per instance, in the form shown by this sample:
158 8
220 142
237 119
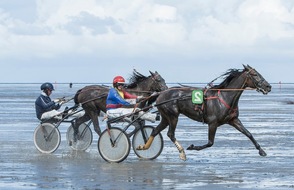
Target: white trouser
78 114
51 114
122 111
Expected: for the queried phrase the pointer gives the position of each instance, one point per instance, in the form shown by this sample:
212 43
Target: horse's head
158 83
152 83
256 80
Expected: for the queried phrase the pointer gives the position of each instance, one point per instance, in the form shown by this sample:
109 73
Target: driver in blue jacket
119 102
45 107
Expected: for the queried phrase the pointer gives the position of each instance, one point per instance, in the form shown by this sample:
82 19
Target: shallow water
231 163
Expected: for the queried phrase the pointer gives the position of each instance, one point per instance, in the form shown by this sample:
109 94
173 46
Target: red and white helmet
119 80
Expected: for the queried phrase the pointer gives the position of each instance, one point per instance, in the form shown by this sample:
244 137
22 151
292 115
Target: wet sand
231 163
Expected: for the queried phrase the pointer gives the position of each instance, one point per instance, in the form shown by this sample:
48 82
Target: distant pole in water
280 86
70 85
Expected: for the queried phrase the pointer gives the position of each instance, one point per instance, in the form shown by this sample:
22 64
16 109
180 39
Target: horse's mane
135 79
229 76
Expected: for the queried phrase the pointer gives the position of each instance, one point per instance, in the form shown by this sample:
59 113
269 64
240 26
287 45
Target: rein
142 91
213 89
230 89
101 96
92 88
240 89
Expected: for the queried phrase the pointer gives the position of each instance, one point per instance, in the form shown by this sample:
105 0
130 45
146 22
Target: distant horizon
111 83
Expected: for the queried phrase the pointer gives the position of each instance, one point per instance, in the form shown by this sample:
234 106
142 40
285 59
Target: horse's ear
246 67
151 73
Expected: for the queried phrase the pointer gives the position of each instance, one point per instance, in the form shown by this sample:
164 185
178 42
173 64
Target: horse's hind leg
94 117
78 122
162 125
171 134
239 126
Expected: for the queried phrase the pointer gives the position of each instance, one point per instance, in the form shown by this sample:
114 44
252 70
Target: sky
92 41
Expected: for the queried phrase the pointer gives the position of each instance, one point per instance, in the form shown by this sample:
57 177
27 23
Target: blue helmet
47 85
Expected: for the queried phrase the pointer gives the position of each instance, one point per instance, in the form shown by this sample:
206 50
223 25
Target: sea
232 162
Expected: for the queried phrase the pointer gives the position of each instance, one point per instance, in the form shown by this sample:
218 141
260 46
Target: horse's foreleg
211 136
240 127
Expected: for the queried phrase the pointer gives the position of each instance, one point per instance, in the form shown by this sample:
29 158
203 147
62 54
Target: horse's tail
76 96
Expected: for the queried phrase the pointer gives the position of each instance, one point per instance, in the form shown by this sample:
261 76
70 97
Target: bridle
155 85
256 83
241 89
156 81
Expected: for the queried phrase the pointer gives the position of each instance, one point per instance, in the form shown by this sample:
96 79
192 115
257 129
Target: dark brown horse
93 98
220 107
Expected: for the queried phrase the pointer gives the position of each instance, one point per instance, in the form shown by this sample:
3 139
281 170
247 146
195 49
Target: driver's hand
59 100
56 100
139 98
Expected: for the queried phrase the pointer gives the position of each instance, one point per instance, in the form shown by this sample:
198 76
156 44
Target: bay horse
220 106
93 97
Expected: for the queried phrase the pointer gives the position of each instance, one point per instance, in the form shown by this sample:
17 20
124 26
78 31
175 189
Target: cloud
159 32
150 27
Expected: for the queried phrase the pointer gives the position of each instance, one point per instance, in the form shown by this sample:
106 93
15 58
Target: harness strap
220 99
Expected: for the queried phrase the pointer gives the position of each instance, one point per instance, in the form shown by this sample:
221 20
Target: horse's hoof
140 147
262 153
183 156
191 147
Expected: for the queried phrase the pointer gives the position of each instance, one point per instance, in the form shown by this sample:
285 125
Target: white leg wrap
181 151
179 147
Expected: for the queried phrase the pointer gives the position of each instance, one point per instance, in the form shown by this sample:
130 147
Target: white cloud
270 18
251 21
208 31
147 24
